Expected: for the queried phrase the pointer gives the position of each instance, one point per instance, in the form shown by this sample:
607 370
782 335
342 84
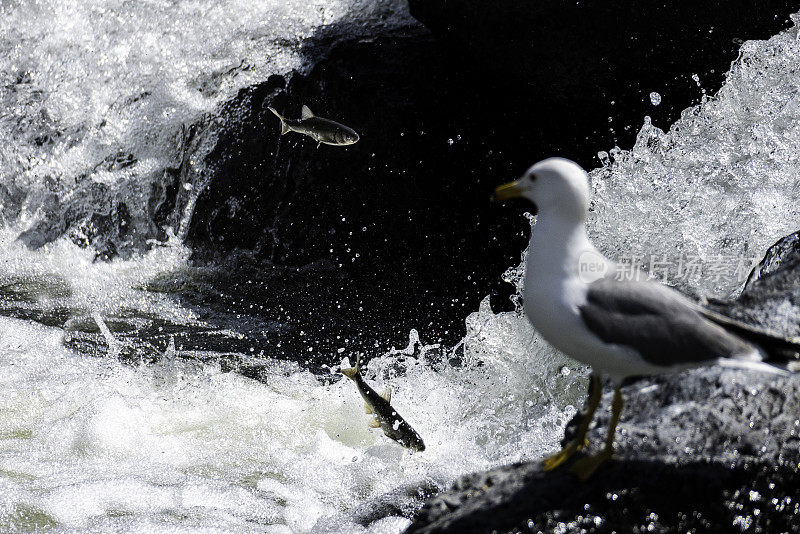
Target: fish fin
374 424
284 127
350 372
368 408
306 113
386 395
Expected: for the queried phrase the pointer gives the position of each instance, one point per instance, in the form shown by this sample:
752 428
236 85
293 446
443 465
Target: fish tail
351 372
284 127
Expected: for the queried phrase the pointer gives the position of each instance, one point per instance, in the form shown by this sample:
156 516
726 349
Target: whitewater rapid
90 444
95 97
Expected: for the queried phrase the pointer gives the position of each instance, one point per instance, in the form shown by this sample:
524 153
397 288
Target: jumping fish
319 129
385 417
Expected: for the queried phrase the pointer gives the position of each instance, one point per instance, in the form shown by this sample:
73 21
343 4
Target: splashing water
90 444
719 187
94 95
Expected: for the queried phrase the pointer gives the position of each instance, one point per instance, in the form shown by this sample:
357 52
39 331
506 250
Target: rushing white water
90 444
94 95
719 187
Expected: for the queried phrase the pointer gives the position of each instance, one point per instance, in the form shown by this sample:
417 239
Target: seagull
574 297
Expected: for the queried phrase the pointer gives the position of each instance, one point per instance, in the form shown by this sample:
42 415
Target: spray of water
719 187
94 97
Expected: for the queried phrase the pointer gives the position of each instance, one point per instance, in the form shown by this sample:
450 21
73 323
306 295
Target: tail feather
284 127
764 367
780 349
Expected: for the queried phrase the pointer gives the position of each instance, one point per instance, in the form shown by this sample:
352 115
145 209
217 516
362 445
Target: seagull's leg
580 441
584 467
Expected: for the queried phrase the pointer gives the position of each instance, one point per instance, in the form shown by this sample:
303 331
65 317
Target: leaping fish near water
319 129
386 417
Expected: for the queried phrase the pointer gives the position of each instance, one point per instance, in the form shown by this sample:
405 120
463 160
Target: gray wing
658 322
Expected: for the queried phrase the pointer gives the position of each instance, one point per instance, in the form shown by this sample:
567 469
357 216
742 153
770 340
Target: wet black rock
402 217
707 450
444 116
628 496
786 250
771 297
403 501
602 57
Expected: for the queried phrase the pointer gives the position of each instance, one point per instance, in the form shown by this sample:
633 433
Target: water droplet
655 98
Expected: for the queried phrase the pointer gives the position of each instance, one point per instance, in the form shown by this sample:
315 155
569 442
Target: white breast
552 297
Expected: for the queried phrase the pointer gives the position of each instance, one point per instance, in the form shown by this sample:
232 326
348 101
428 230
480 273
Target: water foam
64 275
720 186
91 444
94 96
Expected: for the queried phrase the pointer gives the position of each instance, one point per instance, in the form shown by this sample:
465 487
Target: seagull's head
554 185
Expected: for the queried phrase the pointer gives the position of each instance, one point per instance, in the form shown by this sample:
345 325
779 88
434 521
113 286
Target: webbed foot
585 467
580 442
559 458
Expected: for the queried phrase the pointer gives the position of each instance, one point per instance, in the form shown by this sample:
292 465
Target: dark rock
601 57
626 496
11 199
444 118
711 450
403 215
48 228
771 297
403 501
785 250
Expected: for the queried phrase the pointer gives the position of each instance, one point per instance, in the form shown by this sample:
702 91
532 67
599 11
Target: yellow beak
506 191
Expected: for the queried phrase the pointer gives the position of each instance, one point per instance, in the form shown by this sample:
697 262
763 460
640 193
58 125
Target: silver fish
319 129
385 417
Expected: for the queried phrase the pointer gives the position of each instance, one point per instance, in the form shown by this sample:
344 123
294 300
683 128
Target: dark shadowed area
396 231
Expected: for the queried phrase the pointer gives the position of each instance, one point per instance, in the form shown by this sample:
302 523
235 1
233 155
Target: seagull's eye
532 177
